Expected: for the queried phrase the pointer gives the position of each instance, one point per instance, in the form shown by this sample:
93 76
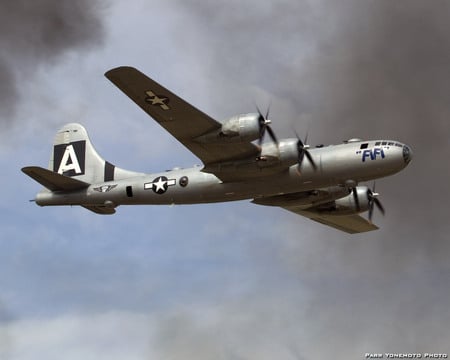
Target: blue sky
236 280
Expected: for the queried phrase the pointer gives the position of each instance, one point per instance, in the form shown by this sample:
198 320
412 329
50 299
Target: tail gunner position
321 183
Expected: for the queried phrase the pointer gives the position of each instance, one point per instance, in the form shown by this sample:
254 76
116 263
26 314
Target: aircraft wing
299 203
178 117
351 224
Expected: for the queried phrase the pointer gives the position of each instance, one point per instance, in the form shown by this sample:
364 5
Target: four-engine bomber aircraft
320 183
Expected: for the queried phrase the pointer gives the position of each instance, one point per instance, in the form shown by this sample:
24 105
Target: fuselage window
129 190
183 181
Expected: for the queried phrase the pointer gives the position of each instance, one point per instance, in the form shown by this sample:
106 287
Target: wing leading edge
179 118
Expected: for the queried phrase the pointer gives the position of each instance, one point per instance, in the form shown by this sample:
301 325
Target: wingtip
28 169
119 69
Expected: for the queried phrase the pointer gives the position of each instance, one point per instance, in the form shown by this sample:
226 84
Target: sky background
235 280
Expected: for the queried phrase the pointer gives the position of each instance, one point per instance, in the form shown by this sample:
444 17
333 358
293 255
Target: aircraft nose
407 154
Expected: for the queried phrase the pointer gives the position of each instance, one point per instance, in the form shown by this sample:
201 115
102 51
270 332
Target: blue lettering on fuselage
372 154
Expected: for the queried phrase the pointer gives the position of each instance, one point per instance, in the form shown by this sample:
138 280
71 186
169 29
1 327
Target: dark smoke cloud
35 33
370 62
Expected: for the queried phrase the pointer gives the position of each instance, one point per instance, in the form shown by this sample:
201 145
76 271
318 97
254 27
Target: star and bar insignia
160 184
158 100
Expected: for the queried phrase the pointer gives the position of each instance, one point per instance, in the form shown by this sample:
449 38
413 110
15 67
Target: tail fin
74 156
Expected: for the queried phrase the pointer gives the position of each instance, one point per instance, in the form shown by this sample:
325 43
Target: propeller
264 125
356 199
302 151
372 196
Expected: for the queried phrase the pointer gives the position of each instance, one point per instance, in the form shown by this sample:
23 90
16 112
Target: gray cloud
373 62
37 33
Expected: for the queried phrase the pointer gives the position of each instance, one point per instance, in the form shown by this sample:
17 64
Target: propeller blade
379 206
259 112
308 155
264 122
355 197
302 150
268 110
262 132
300 143
370 211
262 126
272 134
301 155
373 200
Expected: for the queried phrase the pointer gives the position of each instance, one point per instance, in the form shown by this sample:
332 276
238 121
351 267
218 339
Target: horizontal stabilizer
52 180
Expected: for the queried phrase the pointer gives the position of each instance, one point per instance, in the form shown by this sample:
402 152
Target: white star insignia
160 184
154 99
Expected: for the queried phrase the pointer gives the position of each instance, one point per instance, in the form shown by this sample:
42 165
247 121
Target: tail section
74 163
74 166
74 156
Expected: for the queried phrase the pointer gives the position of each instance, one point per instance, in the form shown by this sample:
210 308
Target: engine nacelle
239 128
347 205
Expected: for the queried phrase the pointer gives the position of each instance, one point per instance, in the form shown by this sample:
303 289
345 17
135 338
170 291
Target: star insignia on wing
158 100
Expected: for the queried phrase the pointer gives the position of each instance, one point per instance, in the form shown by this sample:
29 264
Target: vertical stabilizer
74 156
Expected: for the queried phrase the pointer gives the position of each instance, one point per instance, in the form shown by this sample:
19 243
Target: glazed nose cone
407 154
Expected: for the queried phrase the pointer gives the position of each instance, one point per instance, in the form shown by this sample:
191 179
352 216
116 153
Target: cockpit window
364 146
384 143
378 143
398 145
391 143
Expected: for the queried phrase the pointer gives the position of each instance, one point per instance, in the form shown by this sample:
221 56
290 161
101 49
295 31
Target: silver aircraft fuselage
343 165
